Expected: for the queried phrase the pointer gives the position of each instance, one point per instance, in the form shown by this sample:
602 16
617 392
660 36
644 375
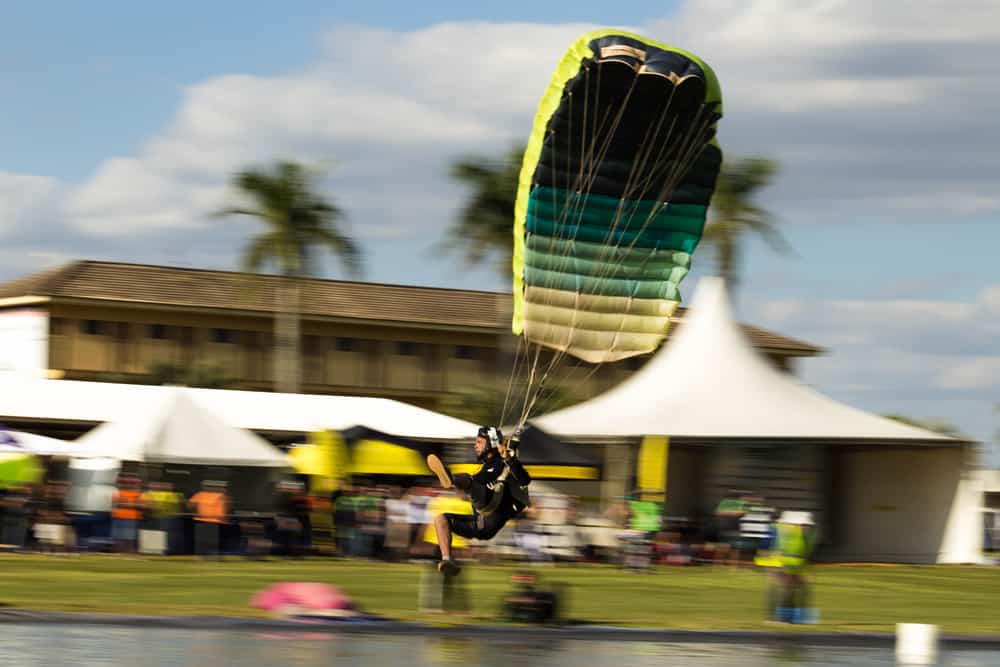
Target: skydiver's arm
517 471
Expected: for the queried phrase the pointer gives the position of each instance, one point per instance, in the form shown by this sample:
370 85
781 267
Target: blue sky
99 80
121 122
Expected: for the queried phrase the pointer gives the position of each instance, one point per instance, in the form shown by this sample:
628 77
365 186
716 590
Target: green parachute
614 189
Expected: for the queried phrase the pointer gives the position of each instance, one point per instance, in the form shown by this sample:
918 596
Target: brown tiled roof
227 290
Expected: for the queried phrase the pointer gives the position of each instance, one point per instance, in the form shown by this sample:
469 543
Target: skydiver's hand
515 440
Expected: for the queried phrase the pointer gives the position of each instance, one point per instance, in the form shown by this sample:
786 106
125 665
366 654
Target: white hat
797 518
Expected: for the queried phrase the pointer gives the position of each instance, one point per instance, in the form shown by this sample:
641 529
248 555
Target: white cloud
860 103
920 358
923 359
24 198
394 106
882 110
971 373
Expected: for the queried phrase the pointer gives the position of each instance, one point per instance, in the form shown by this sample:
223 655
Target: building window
408 349
465 352
223 336
346 345
311 345
93 327
186 336
158 331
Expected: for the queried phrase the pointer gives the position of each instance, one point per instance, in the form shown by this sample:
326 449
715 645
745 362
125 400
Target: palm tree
733 215
485 224
297 220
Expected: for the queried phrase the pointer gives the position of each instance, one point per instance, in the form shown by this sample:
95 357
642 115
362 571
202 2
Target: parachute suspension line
637 187
591 159
528 403
660 164
531 389
548 391
593 150
594 159
513 375
572 207
675 170
671 178
691 146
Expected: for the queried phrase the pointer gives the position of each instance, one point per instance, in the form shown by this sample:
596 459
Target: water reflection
37 645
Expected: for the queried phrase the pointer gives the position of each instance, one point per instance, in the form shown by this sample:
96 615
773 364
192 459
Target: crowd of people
382 521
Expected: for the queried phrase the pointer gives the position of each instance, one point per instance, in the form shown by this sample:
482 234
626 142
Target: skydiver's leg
438 467
443 531
445 525
478 493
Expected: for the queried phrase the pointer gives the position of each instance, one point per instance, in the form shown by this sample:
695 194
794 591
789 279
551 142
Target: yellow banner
377 457
652 467
324 459
539 471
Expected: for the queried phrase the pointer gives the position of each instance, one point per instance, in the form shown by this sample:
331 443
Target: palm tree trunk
287 338
727 264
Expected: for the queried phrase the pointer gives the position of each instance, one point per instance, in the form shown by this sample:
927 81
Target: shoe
449 568
438 467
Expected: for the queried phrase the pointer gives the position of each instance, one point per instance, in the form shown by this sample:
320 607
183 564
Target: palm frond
734 213
344 248
483 227
296 218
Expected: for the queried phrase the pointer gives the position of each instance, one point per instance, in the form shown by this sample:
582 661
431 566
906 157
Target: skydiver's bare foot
438 467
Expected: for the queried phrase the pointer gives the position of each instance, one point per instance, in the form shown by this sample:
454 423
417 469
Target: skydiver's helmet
492 435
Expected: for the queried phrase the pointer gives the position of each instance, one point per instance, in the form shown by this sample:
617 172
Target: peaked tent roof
708 381
176 429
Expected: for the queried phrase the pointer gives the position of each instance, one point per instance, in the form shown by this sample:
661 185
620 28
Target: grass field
867 598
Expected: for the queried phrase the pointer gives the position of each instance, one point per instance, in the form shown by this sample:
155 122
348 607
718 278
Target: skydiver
498 492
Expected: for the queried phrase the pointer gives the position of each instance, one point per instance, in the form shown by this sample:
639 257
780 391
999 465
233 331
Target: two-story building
92 320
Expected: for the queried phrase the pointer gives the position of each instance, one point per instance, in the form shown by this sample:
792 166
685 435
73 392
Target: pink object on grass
297 597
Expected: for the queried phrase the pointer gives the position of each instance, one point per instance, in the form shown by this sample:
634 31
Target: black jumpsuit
482 526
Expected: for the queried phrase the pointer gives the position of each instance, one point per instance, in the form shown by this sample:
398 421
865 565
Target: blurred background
256 265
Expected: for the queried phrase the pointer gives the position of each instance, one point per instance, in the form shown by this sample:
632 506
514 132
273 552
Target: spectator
126 513
51 530
163 507
728 515
397 526
288 522
211 507
16 505
755 527
344 520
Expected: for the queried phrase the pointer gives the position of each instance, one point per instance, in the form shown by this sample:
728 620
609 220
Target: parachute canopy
613 194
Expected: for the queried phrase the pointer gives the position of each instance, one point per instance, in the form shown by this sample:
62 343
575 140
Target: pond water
29 645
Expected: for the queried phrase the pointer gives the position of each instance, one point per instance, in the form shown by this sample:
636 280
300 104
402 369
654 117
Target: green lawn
869 598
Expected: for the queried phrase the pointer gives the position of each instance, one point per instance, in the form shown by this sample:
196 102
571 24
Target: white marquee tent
94 402
176 429
709 381
886 490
